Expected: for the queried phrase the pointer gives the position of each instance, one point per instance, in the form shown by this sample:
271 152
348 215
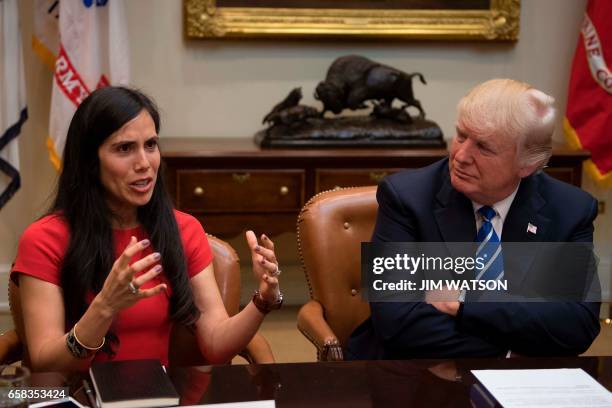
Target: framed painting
488 20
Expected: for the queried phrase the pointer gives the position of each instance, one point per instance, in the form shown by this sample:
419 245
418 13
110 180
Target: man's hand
443 300
450 308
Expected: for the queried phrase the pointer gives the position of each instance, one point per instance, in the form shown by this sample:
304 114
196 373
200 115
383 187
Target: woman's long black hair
81 201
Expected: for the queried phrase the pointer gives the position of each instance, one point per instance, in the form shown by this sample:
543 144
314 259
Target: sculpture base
352 131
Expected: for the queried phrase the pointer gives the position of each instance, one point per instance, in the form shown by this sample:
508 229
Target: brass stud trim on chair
330 351
299 241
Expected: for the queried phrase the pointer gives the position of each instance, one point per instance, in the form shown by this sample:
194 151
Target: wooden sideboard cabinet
232 185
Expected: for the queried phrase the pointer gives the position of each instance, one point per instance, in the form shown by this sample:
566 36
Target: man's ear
527 170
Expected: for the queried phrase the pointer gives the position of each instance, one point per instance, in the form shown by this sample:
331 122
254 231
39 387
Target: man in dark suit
492 176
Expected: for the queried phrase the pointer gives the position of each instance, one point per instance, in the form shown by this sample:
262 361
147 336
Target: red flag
588 119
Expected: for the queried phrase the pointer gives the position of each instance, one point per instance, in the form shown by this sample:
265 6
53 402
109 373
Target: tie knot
487 212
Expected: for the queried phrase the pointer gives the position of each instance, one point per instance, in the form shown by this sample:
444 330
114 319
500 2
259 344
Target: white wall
212 89
225 88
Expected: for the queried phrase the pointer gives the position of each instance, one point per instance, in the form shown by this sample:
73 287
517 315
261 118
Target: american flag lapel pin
532 228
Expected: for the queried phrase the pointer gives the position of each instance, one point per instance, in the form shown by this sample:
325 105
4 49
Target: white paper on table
564 387
246 404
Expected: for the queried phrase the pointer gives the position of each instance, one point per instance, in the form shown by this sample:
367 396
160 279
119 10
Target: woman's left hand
265 266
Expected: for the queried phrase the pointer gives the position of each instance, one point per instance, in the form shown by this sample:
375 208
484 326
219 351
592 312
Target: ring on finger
133 288
276 272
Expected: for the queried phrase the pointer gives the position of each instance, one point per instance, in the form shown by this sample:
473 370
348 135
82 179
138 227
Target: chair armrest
258 351
10 347
311 322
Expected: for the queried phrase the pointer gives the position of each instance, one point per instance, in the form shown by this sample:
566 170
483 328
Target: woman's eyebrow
121 142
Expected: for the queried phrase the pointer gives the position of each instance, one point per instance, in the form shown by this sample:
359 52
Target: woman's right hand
116 294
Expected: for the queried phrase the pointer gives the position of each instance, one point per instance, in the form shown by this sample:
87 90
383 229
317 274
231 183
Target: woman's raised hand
265 266
121 289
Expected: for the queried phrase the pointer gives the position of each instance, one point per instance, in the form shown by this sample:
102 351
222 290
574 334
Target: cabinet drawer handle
241 178
198 191
284 190
376 176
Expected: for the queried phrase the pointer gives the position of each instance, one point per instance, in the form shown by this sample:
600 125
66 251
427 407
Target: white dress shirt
501 211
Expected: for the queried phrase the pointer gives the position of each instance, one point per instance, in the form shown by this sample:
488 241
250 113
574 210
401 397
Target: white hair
513 110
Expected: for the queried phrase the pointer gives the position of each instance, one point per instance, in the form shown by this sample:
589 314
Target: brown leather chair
330 229
183 349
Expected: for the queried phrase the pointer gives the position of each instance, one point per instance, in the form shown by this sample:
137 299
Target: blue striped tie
489 248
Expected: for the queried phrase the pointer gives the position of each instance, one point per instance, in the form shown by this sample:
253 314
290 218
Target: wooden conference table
426 383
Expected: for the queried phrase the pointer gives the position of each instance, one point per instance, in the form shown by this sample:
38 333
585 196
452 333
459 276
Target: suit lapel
455 219
524 211
456 222
524 224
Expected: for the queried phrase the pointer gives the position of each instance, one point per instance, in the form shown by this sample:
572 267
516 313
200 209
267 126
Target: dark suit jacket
421 205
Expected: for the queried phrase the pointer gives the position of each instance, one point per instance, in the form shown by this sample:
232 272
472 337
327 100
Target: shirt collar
501 207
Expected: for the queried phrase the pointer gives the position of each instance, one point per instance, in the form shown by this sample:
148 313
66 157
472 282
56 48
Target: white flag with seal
93 53
13 110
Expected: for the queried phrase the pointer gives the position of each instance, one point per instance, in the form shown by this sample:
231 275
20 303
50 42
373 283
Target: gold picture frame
498 22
